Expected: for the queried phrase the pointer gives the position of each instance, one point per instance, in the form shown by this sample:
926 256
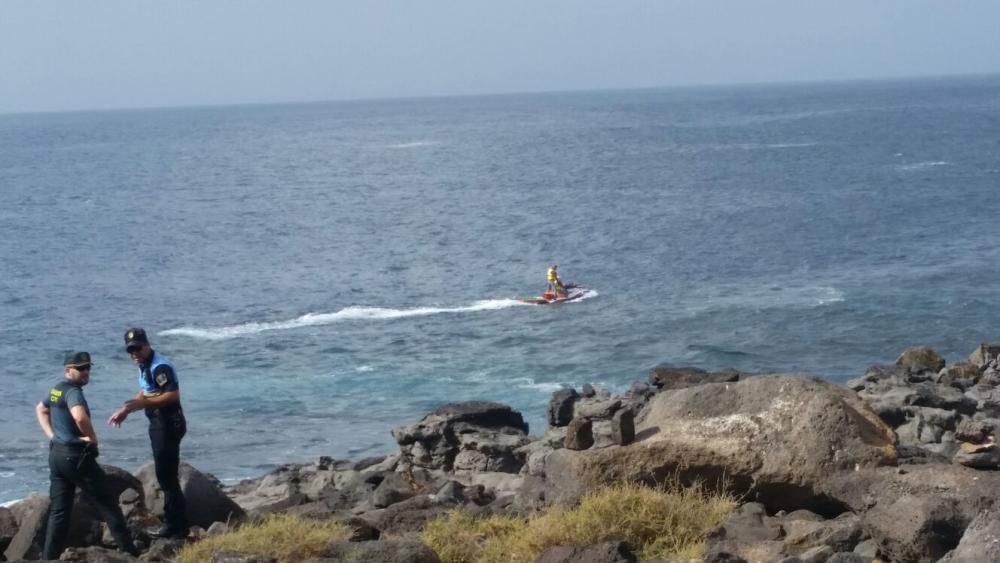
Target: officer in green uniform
65 418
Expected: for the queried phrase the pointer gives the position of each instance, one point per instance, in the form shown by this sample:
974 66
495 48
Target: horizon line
689 86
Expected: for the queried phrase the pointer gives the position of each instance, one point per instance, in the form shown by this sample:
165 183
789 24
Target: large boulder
31 515
8 527
984 354
778 437
919 359
206 502
980 542
466 436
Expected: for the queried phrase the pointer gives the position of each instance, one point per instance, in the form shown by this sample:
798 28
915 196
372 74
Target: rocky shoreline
899 465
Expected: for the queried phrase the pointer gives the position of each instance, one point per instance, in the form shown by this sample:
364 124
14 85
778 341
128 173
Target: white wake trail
345 314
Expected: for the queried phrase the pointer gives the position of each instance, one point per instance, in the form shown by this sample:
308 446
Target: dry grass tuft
284 537
663 523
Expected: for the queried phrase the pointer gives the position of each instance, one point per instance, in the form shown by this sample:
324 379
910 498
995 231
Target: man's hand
118 417
136 404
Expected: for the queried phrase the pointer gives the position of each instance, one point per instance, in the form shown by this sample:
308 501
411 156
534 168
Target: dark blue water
322 273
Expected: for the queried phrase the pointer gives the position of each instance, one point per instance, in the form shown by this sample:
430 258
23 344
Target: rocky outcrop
919 511
8 527
753 535
469 436
30 514
939 414
206 502
775 437
814 464
980 542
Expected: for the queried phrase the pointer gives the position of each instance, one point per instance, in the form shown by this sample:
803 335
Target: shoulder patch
161 379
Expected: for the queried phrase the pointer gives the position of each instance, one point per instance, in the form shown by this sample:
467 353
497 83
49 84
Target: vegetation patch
656 523
284 537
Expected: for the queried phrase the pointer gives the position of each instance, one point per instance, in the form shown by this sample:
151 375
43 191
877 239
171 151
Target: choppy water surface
322 273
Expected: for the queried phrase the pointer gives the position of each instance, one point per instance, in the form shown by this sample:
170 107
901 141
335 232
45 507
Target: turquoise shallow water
321 273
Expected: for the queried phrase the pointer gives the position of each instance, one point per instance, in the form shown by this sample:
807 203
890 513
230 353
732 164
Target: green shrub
284 537
655 523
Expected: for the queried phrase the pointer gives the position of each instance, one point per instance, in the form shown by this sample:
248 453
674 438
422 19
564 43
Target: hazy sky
57 54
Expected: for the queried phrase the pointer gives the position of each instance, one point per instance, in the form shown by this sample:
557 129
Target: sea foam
354 313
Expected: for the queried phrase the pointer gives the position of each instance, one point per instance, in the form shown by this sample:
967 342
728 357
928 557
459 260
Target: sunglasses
133 349
81 368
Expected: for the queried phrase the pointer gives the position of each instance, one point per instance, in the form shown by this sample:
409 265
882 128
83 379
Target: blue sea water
322 273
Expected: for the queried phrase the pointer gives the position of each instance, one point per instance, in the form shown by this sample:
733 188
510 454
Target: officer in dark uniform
65 418
160 396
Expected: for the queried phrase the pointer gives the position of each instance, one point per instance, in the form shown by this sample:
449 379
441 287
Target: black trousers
69 468
165 437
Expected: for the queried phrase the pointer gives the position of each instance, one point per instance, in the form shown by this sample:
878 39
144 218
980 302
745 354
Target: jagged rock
579 434
380 551
535 453
588 390
840 534
919 359
984 354
601 431
163 550
531 496
31 514
206 503
609 552
978 456
391 490
678 378
360 530
291 485
561 406
980 542
961 375
776 436
867 549
409 515
355 492
919 513
597 408
976 431
485 434
8 527
754 536
554 437
95 554
916 528
623 427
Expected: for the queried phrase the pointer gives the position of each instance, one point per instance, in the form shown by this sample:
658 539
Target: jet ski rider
555 284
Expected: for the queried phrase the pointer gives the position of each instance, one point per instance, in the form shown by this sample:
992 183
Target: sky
104 54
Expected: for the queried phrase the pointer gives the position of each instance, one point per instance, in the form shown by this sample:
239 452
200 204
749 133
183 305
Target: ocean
322 273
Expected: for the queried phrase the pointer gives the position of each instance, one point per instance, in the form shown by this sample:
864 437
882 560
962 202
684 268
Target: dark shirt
64 396
156 382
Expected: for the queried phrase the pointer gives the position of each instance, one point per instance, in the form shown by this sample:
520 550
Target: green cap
76 359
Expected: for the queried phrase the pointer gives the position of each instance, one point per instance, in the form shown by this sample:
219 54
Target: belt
68 448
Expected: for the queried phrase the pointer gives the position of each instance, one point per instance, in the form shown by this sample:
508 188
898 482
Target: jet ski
573 292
